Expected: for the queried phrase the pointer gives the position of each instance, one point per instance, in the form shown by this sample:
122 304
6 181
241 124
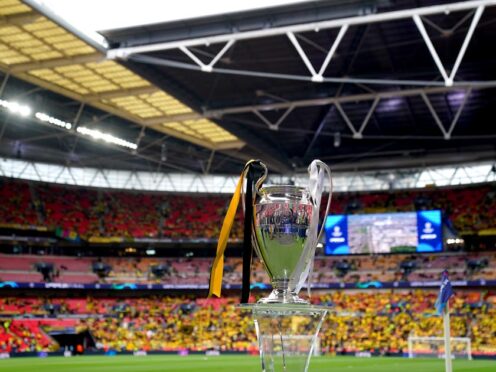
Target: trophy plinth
287 334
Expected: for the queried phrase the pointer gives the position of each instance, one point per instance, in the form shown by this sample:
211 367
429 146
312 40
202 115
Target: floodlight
107 137
16 108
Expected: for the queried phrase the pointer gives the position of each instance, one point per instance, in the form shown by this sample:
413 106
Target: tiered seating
16 205
197 217
66 269
69 208
360 321
28 335
131 214
93 213
386 268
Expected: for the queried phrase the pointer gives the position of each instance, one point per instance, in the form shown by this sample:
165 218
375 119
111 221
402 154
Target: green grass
199 363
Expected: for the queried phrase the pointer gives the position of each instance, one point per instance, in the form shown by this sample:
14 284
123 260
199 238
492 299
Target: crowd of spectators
359 321
17 207
346 269
104 213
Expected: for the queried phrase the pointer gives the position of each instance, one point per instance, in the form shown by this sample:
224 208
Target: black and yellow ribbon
217 271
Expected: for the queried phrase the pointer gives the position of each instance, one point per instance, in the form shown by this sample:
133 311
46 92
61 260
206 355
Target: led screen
383 233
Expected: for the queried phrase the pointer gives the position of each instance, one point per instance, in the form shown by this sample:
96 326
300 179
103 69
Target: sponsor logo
428 232
8 284
337 235
63 285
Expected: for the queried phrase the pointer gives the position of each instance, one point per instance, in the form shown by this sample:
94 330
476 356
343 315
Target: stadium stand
385 268
377 321
17 208
91 213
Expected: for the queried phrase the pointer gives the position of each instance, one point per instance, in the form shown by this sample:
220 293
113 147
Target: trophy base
286 334
282 296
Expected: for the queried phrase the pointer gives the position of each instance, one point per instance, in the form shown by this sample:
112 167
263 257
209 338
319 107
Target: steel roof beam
333 100
318 76
274 126
136 52
146 59
313 26
204 67
5 80
446 132
449 79
157 122
358 134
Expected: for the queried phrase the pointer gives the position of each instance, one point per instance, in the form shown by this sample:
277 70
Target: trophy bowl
282 219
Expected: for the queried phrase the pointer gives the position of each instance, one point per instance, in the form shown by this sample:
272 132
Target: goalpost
461 347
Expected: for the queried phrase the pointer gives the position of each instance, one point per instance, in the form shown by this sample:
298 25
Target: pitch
231 363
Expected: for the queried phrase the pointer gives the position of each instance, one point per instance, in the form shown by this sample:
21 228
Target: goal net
461 347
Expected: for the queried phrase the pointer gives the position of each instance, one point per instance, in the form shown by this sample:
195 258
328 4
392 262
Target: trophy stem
282 294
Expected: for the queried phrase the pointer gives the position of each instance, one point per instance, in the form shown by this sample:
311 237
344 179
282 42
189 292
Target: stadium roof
91 16
355 83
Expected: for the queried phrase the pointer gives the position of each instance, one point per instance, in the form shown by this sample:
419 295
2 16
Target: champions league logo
337 235
428 232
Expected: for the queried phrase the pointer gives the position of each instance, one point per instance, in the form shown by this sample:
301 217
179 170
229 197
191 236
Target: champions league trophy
285 236
283 222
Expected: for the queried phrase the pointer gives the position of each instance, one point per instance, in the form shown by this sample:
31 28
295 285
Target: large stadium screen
384 233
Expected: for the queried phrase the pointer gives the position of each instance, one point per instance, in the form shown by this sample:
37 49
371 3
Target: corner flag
445 293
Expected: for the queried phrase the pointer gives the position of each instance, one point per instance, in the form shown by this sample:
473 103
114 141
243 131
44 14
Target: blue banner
429 231
336 232
258 286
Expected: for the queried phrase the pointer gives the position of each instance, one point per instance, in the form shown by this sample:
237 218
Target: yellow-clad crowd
378 321
369 320
172 324
382 321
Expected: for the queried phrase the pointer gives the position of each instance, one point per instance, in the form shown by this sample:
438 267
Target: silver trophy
285 236
285 232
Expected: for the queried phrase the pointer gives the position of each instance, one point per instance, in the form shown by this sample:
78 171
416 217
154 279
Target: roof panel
52 54
43 40
9 7
9 30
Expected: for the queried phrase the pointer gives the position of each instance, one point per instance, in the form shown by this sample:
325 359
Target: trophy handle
260 181
315 189
324 166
